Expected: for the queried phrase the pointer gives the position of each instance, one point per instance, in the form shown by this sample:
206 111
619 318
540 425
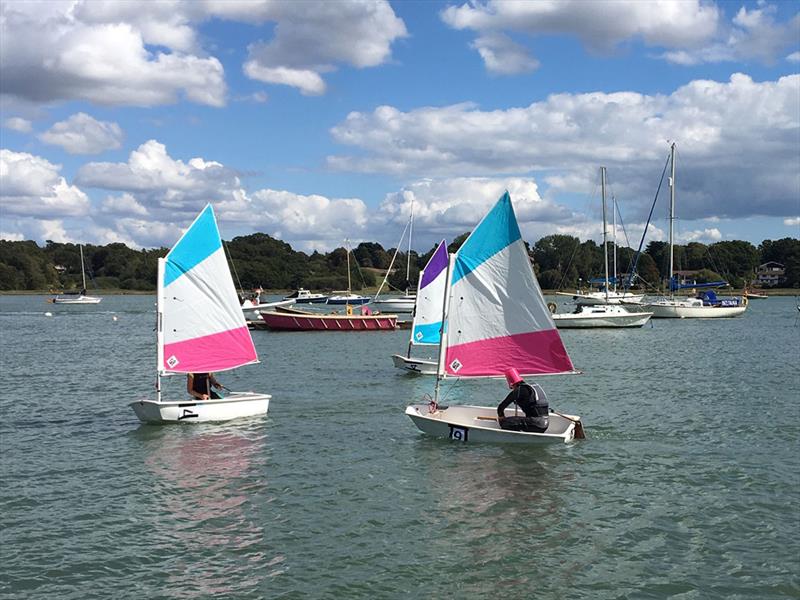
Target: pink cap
512 376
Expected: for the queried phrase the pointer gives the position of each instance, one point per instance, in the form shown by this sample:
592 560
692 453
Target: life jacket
530 403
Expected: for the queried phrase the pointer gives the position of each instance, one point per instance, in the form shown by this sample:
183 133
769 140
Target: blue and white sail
497 316
426 328
202 325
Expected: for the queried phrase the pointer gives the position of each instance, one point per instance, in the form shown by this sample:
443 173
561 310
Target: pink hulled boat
288 319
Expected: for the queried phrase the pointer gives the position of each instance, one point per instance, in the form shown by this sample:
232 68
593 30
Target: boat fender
551 306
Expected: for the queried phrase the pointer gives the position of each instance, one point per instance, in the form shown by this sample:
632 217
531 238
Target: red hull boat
295 320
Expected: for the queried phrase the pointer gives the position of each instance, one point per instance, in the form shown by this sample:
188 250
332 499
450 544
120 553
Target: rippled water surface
688 486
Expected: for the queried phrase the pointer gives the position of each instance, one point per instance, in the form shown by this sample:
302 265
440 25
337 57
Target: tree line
258 260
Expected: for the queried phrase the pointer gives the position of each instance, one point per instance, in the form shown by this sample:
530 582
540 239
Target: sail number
459 434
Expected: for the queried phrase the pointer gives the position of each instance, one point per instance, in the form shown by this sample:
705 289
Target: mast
159 326
83 269
614 209
410 232
671 216
605 227
347 251
443 341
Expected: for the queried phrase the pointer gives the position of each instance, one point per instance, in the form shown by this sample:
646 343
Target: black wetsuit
536 410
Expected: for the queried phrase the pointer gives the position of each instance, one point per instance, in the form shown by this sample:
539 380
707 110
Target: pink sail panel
215 352
533 353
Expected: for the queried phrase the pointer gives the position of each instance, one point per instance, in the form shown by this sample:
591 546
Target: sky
316 122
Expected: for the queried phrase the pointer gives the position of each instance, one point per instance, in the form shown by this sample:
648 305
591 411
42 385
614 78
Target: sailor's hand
203 396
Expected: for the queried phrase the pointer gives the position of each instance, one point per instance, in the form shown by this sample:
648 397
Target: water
687 487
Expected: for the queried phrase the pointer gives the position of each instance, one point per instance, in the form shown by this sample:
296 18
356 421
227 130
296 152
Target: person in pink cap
536 410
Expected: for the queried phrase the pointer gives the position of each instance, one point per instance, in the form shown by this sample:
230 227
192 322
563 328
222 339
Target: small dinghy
479 424
426 327
200 328
494 318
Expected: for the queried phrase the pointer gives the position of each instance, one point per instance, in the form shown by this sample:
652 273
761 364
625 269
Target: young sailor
536 410
199 385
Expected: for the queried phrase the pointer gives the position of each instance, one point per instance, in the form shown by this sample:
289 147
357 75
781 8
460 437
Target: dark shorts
528 424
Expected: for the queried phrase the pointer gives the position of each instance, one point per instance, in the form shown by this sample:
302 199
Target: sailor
199 385
523 395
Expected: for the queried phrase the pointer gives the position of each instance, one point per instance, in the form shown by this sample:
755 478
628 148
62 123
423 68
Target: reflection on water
200 500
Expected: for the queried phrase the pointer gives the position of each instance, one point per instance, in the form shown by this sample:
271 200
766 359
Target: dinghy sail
498 317
200 328
494 317
426 326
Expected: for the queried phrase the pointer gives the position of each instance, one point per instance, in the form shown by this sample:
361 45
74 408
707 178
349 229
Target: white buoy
114 317
48 314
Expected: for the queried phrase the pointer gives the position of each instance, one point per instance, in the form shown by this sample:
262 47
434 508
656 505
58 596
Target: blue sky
320 121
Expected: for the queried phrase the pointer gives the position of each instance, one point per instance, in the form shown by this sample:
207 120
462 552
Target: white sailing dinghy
426 327
200 328
494 317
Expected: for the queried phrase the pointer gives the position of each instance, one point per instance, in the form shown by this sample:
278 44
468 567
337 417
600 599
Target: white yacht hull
470 424
598 298
679 311
591 321
233 406
395 305
77 300
414 365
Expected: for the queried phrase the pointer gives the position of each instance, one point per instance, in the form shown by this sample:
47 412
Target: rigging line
230 258
635 259
391 264
569 263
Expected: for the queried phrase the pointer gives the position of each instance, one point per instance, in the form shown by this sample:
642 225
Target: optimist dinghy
494 317
200 328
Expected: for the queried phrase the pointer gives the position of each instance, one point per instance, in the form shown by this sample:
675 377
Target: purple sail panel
436 264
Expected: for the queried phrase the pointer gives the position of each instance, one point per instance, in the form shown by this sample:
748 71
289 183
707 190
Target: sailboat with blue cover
494 317
426 327
200 328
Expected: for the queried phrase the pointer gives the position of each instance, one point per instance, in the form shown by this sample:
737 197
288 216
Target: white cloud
737 143
18 124
32 186
704 236
600 25
503 55
82 134
307 81
691 31
313 38
752 35
146 54
123 205
93 53
792 222
794 57
160 182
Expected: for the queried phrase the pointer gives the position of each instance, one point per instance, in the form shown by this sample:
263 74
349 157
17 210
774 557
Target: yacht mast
671 217
83 269
605 227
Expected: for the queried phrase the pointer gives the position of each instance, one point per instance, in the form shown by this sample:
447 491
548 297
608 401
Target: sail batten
497 315
203 328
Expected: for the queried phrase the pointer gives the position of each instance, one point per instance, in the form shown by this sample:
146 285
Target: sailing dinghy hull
233 406
414 365
471 424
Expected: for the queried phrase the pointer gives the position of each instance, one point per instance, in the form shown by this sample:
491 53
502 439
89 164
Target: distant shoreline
366 291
